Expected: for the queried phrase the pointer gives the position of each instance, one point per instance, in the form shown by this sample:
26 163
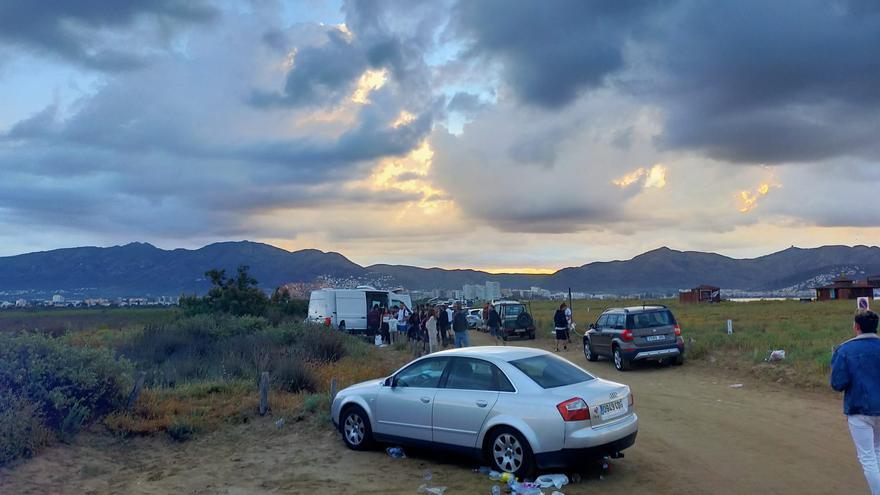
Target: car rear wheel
356 431
510 453
532 335
620 363
678 360
588 352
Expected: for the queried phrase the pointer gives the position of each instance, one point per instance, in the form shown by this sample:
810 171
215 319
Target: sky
506 135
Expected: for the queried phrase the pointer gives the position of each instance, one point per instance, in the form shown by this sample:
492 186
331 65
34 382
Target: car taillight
574 410
626 336
677 330
632 399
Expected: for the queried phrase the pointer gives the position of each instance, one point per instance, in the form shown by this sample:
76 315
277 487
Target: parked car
475 318
634 334
517 408
515 320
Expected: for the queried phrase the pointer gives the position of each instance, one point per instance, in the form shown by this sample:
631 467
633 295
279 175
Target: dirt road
697 435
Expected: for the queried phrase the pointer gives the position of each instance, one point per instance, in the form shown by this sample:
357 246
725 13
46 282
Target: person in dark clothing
374 319
560 323
460 327
443 326
493 321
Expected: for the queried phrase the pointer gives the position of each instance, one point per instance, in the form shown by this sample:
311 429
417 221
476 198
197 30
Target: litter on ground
552 480
432 490
396 452
736 385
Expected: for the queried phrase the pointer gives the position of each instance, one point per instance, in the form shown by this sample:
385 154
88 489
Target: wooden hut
700 294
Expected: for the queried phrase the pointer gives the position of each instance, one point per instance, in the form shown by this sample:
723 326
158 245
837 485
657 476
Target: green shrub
67 386
292 375
22 432
322 345
181 430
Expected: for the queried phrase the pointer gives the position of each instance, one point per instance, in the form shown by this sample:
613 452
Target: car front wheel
356 431
588 352
620 363
510 453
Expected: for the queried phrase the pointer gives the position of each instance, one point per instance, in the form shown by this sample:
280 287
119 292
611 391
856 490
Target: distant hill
143 269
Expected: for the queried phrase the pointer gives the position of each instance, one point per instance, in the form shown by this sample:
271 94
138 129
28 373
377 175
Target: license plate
653 338
612 409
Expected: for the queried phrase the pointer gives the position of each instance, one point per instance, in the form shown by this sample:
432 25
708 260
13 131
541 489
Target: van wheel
620 363
509 452
588 352
355 427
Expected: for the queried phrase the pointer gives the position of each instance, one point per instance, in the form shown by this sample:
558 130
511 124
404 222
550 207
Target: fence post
136 390
264 393
729 327
332 390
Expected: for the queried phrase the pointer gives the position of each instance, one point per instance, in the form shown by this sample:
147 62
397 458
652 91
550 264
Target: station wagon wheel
588 351
355 427
510 453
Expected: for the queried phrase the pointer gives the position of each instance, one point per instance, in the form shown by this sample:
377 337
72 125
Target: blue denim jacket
855 370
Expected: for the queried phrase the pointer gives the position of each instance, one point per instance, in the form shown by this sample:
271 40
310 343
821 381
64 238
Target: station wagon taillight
574 409
626 336
677 330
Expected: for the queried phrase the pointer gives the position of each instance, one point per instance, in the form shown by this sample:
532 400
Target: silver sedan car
522 409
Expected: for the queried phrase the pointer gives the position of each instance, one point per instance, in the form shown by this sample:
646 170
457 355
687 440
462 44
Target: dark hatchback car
639 333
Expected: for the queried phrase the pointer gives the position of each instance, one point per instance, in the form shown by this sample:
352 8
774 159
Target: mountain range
143 269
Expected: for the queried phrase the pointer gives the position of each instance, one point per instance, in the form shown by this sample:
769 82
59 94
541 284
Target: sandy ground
697 435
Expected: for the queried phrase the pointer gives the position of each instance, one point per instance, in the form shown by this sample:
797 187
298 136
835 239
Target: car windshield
650 320
550 371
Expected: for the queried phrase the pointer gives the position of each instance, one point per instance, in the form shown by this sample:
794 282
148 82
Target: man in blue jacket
855 370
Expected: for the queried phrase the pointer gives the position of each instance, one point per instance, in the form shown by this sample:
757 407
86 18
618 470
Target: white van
350 305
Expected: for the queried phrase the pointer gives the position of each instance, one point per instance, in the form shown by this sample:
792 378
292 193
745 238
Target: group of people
427 328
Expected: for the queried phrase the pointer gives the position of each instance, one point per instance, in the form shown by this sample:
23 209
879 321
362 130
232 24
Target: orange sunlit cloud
748 200
654 177
369 81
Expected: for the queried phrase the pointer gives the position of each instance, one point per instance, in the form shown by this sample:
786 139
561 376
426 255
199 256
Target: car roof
637 309
505 303
499 353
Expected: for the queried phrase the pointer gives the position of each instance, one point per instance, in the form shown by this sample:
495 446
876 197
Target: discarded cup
396 452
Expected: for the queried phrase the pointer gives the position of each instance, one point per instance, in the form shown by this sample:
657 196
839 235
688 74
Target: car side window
471 374
501 380
424 374
614 321
603 320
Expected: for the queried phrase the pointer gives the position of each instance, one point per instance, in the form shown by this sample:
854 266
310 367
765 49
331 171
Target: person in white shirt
568 318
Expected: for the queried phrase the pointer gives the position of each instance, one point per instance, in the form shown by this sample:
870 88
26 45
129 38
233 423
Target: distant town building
493 290
700 294
21 303
843 287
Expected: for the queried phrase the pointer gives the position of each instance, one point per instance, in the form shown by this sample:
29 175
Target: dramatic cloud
491 133
91 32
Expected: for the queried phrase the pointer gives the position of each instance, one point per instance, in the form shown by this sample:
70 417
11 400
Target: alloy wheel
507 451
354 429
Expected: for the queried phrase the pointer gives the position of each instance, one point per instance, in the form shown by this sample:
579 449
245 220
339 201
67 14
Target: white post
729 327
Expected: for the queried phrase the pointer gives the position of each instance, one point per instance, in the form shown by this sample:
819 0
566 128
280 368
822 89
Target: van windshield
649 320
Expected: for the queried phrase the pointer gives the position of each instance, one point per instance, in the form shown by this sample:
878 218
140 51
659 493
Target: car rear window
650 319
514 310
550 371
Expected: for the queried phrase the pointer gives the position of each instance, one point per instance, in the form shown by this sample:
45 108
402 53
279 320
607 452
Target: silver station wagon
519 408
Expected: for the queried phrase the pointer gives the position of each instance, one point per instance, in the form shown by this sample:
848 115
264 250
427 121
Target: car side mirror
592 326
389 382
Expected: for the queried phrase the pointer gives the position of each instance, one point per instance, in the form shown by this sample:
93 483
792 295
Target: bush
22 432
292 375
321 344
66 386
181 430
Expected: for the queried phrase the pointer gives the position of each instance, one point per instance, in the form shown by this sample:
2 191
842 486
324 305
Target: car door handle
426 400
482 403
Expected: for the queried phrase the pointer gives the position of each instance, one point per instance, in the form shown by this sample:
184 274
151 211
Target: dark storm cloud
69 29
757 81
551 52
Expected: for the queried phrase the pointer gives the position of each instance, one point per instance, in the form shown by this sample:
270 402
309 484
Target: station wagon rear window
550 371
650 320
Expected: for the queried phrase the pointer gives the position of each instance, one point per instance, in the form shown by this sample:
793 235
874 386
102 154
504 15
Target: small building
843 287
700 294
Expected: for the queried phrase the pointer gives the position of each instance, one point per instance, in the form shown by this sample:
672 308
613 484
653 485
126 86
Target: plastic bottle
496 490
494 475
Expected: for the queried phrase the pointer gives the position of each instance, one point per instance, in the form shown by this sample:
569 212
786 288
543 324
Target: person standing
443 326
374 319
402 321
484 317
431 325
493 320
561 326
460 327
449 314
855 371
